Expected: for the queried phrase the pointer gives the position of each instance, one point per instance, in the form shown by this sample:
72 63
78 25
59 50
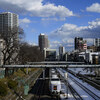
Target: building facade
80 44
8 21
97 42
1 48
76 41
61 52
49 54
43 41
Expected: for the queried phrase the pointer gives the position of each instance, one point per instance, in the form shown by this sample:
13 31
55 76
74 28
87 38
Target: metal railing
50 66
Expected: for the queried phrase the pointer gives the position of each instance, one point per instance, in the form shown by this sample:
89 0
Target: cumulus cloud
24 23
54 44
67 32
54 18
36 8
72 30
89 41
25 20
95 7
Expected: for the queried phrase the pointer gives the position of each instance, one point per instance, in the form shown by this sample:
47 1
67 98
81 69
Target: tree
29 53
11 44
11 37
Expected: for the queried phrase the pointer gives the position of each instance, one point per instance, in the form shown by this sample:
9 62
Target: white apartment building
97 42
8 20
1 48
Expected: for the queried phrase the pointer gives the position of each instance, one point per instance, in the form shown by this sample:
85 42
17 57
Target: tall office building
97 42
61 52
8 21
77 41
43 41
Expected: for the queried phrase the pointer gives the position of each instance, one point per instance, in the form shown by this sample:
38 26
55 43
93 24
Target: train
54 83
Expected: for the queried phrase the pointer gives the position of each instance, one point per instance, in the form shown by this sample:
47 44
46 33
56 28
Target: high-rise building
61 52
8 21
97 42
82 45
43 41
1 48
77 40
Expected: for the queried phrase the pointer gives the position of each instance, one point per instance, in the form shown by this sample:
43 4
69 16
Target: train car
54 76
53 71
55 86
54 83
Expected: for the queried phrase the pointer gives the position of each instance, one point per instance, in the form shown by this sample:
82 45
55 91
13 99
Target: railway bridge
52 64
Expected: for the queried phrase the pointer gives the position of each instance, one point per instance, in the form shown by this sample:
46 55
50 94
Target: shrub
3 89
12 84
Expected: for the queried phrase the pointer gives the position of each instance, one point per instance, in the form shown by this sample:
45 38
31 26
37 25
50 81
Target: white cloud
24 23
65 40
71 30
95 7
32 43
95 23
54 18
25 20
67 32
89 41
55 44
36 8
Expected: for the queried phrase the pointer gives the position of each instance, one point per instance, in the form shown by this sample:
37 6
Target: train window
54 79
55 87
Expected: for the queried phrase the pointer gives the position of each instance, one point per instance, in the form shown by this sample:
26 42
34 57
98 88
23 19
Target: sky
61 20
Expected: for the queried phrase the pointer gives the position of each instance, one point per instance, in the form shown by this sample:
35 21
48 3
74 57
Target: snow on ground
94 90
80 91
64 90
84 95
82 71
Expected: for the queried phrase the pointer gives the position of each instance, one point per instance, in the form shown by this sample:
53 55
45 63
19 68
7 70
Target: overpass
53 64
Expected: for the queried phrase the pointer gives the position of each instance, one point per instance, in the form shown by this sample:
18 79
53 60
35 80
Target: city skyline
61 20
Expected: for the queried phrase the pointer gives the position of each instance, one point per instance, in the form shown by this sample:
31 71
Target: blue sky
61 20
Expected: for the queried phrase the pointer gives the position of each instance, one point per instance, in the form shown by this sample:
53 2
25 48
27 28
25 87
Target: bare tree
29 53
11 37
11 44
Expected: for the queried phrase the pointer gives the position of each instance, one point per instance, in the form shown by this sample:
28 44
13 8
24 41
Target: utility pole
66 78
